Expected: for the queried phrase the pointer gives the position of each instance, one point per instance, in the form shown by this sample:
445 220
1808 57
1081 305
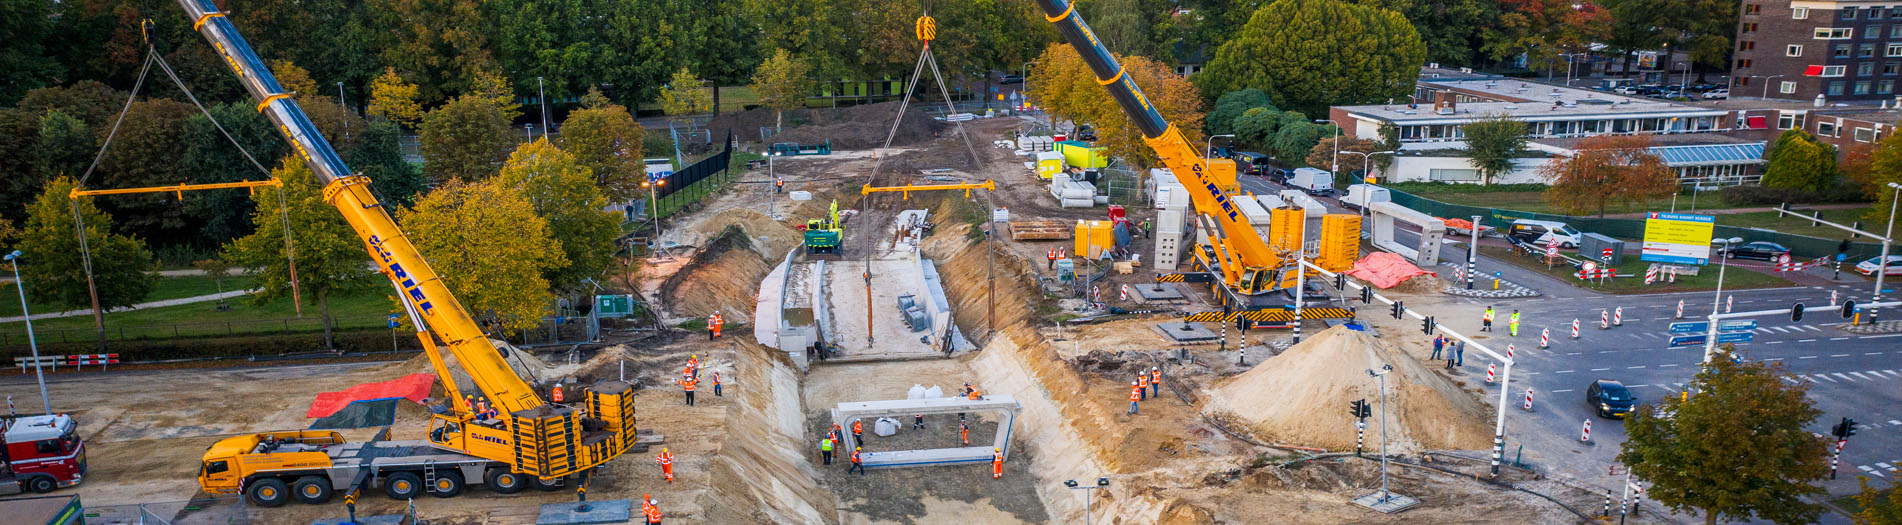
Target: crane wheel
268 492
501 481
312 489
545 485
403 486
446 485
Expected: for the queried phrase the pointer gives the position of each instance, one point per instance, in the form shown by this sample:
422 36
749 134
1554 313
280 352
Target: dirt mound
852 127
725 277
1297 397
1425 283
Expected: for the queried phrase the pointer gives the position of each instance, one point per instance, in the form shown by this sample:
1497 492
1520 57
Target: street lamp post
1882 263
1334 169
20 285
1208 147
1717 301
653 186
1101 483
1766 84
1382 376
1366 160
541 96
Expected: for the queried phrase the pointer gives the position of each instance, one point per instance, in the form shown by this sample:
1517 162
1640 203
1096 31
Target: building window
1849 13
1456 175
1836 33
1885 87
1793 50
1799 13
1826 129
1744 63
1751 9
1895 31
1865 69
1875 13
1747 45
1750 27
1895 50
1840 51
1890 68
1895 12
1833 71
1835 88
1786 121
1865 135
1872 31
1865 51
1787 87
1862 87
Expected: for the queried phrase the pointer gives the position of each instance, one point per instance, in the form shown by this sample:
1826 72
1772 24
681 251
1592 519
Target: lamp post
653 185
1766 84
20 285
1335 169
1366 162
1101 483
1717 301
1382 376
1882 263
541 96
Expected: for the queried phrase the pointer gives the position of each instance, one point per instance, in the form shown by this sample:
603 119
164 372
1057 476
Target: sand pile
854 127
1425 283
1301 397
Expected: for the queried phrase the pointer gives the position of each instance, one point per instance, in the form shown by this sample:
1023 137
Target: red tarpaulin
1385 269
414 387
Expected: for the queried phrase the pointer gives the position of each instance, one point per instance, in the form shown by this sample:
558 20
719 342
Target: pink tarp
414 387
1385 269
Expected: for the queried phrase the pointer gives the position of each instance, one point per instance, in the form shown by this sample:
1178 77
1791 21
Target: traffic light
1426 325
1366 294
1397 309
1796 313
1849 427
1340 281
1840 429
1354 408
1849 309
1366 409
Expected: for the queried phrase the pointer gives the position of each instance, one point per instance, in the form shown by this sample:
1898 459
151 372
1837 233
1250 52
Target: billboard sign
1677 238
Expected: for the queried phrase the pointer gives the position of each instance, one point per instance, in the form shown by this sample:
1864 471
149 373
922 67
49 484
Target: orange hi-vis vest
653 513
557 394
1142 381
716 379
665 459
716 320
974 395
693 363
687 384
1052 253
1061 254
1155 377
1136 393
858 427
855 456
997 457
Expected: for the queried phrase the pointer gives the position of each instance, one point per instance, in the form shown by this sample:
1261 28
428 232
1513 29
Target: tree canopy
51 259
1308 55
1492 143
1884 166
607 140
1798 160
782 82
467 138
562 191
490 248
1065 87
1607 169
330 260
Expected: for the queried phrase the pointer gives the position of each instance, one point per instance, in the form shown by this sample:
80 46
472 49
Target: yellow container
1340 242
1093 238
1285 229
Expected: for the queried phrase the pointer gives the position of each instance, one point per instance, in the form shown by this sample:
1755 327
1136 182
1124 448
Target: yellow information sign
1677 238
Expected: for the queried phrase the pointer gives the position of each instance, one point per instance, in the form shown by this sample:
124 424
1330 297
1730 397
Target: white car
1868 267
1717 94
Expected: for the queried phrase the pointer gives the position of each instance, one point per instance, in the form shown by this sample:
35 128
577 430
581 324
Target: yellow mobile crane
522 441
1249 266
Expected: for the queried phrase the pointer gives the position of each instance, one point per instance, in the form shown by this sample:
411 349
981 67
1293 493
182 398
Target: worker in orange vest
857 464
964 433
779 184
693 363
974 395
1135 394
1052 254
997 463
686 383
1155 380
556 394
666 461
716 384
858 431
650 509
1142 386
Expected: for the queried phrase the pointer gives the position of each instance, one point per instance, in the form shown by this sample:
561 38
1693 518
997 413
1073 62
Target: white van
1364 195
1313 181
1543 232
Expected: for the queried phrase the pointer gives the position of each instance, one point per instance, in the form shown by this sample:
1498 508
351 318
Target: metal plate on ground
1390 504
1185 332
604 511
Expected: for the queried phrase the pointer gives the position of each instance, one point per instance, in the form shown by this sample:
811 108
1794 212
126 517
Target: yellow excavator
520 439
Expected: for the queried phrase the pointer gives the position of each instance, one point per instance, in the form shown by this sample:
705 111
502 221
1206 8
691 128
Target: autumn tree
329 257
1737 449
1798 160
490 248
781 82
1885 166
1526 27
1308 55
594 98
394 99
379 156
562 191
467 138
1062 84
685 95
495 88
51 258
1322 154
64 146
1607 169
295 80
1492 143
607 140
1879 507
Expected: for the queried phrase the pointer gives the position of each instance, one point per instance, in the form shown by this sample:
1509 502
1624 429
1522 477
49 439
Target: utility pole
541 95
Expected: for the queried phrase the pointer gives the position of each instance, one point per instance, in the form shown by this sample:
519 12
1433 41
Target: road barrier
41 361
1575 328
1509 349
1604 319
93 359
1489 369
1545 338
1727 301
1125 293
1618 316
1680 309
1528 406
1587 437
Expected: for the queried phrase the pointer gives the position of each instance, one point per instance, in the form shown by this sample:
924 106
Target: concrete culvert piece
1301 397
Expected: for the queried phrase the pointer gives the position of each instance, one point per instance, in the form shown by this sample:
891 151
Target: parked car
1768 251
1085 133
1278 175
1609 399
1251 163
1625 90
1717 94
1868 267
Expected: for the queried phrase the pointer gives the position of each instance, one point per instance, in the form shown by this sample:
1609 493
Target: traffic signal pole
1710 336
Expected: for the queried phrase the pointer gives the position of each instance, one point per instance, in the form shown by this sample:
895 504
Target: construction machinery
520 438
1250 268
823 234
42 452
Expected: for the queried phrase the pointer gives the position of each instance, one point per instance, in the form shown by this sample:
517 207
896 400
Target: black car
1085 133
1251 163
1278 175
1768 251
1609 398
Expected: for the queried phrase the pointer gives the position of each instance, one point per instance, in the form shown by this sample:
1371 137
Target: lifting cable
79 226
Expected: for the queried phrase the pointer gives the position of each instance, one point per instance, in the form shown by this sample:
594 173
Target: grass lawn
1769 220
1706 279
166 288
203 319
1849 503
1531 197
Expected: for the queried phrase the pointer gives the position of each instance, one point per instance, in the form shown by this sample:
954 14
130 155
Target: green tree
19 157
1125 26
1256 127
393 98
491 249
153 129
27 25
65 145
1735 450
217 269
223 215
608 141
1884 167
92 102
685 95
330 258
1295 135
1797 160
440 44
1704 27
1323 155
379 156
52 260
1607 169
1231 106
1879 507
781 83
562 190
1451 29
593 99
1492 143
1308 55
467 138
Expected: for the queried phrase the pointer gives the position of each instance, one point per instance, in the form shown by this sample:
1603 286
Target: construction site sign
1677 238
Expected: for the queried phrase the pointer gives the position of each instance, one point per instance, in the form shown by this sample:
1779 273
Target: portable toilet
1049 163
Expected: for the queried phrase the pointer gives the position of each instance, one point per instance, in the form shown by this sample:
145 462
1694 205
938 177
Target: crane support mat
386 519
601 511
1185 332
1157 292
414 387
1271 315
1040 230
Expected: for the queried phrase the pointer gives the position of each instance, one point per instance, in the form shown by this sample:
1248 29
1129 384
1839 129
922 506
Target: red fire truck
42 453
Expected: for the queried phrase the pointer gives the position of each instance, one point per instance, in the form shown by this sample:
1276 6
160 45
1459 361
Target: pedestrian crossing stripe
1272 315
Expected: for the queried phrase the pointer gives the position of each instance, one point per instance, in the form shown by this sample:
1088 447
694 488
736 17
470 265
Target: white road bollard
1650 275
1604 319
1528 406
1575 328
1832 297
1727 301
1587 438
1489 372
1125 293
1545 338
1618 316
1509 349
1680 309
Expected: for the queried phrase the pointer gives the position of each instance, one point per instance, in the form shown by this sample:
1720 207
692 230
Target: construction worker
825 449
857 464
973 394
1146 226
1155 380
716 384
918 421
964 433
556 394
1052 254
836 433
779 184
1135 394
650 510
858 431
997 463
686 384
1512 326
1439 343
1142 386
693 364
713 325
1486 321
666 461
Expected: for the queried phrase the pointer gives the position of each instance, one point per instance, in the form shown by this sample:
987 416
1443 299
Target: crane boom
546 439
1239 237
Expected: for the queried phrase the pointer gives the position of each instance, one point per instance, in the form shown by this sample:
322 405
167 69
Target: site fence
1801 246
1122 185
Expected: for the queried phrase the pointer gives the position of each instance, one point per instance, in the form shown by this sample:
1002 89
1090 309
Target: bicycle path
153 304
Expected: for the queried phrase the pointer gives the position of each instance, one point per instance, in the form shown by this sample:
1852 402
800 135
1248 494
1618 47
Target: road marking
1885 466
1775 342
1826 377
1564 371
1572 353
1838 338
1839 355
1561 391
1667 366
1845 378
1894 422
1887 371
1600 369
1811 379
1806 340
1774 359
1636 386
1634 367
1780 330
1792 380
1879 336
1859 374
1809 357
1812 327
1872 353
